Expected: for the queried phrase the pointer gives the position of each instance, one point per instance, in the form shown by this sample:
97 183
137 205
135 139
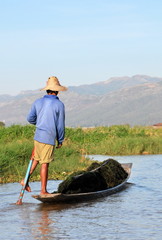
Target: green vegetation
109 173
16 144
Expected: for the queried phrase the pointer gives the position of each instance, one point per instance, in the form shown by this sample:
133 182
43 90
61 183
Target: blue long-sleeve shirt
48 114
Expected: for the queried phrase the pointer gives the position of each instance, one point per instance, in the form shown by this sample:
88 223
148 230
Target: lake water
134 213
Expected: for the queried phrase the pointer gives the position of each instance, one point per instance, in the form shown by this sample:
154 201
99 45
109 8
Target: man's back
48 115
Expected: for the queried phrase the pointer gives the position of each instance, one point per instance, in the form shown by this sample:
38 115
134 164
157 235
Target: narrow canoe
56 198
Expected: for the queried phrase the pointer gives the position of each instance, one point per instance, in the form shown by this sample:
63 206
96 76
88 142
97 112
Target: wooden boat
57 198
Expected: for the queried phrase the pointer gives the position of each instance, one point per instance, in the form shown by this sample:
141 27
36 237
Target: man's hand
59 145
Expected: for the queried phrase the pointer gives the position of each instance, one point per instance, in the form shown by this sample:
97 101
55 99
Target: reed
16 144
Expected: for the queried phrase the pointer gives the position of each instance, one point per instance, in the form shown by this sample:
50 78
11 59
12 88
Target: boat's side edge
62 198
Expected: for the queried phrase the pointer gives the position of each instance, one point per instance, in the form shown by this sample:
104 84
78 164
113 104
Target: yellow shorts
43 153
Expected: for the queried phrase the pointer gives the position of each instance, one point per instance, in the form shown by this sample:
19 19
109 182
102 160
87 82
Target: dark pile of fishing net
98 176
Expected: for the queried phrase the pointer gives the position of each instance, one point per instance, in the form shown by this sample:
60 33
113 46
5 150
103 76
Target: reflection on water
135 213
43 226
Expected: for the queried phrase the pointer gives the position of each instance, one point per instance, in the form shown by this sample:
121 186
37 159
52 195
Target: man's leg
34 165
44 177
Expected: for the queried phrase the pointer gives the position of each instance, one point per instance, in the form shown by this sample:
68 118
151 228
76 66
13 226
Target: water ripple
135 213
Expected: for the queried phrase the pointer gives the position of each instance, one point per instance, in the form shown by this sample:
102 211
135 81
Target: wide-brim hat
53 84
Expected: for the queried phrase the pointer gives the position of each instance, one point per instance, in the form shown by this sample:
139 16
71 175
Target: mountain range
132 100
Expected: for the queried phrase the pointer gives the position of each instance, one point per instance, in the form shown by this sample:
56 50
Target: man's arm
32 117
61 126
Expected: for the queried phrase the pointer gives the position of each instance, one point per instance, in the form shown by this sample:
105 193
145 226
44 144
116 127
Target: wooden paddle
26 179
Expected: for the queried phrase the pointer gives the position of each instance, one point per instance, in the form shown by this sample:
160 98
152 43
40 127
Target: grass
16 144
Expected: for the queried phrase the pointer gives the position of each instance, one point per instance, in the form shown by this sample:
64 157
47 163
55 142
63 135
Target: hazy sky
79 41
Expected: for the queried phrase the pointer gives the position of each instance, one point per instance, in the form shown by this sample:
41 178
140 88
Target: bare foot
44 193
27 188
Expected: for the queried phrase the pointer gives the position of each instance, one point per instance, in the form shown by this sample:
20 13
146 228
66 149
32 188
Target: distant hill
124 100
114 84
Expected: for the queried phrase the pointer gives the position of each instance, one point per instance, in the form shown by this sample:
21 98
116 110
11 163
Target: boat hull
56 198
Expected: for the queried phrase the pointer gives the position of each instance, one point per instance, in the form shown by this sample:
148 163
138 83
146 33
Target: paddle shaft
19 202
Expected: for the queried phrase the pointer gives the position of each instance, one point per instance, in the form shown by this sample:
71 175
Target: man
48 114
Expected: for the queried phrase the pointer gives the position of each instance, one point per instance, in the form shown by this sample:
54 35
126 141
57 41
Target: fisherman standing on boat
48 114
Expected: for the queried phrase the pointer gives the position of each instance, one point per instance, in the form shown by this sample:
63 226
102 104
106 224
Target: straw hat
54 85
